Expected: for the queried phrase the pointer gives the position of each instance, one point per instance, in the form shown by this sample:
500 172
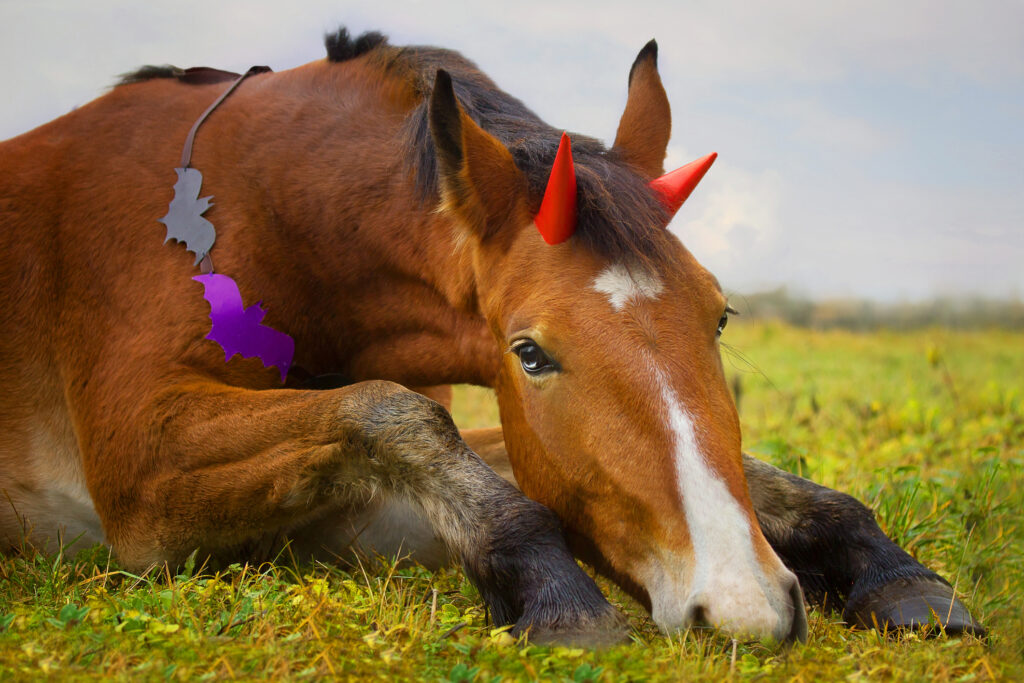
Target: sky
866 149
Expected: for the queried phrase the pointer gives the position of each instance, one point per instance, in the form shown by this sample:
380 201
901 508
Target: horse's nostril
697 616
798 629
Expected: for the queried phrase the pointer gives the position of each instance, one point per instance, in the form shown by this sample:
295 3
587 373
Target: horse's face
613 399
617 416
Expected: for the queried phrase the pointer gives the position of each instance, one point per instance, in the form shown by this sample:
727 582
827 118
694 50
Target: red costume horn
556 218
676 186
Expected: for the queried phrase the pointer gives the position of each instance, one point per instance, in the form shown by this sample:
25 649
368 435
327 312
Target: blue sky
866 148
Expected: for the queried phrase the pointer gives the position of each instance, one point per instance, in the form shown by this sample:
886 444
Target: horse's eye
724 320
533 358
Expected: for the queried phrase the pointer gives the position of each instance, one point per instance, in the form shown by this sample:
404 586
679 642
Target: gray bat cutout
184 219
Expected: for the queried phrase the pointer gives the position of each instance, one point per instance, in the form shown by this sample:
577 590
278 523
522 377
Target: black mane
342 47
619 217
197 75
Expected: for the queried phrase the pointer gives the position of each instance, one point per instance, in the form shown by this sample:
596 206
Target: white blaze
726 580
624 285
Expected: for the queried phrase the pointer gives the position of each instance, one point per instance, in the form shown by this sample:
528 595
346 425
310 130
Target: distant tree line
968 312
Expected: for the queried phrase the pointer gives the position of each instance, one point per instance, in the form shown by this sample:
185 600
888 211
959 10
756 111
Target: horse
409 225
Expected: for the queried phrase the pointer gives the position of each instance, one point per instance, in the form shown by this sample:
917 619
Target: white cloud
731 221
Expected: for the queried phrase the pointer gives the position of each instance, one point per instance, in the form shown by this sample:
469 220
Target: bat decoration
184 219
240 330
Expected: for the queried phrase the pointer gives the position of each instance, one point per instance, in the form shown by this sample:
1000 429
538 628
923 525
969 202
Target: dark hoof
598 631
913 604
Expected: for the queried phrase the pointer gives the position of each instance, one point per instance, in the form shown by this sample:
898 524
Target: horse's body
120 423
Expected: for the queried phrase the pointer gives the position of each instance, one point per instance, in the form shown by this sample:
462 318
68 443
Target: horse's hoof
918 603
604 630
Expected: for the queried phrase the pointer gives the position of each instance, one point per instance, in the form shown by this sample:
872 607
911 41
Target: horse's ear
644 129
479 180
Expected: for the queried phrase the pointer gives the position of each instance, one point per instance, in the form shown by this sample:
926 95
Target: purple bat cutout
239 330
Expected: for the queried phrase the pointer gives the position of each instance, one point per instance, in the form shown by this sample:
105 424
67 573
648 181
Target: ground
926 427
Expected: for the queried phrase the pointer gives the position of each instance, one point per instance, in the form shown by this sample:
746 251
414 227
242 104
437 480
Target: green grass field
925 427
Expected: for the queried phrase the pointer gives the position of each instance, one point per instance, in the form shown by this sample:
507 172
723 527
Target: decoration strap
186 153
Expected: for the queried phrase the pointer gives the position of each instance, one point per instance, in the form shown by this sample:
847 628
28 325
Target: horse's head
611 388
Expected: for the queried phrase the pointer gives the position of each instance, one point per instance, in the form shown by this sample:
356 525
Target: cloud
731 219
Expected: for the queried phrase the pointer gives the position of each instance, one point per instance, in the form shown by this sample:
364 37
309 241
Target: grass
926 427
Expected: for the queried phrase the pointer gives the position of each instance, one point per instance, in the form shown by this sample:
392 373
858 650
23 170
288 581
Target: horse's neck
381 289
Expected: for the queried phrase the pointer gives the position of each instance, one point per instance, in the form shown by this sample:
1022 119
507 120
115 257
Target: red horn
673 188
556 218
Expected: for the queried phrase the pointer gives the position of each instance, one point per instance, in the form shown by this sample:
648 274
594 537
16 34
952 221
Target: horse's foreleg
844 560
236 466
489 444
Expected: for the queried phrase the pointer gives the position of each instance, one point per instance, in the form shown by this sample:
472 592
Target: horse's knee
396 404
395 423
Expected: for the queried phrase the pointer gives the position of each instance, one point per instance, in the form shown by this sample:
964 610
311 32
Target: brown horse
385 204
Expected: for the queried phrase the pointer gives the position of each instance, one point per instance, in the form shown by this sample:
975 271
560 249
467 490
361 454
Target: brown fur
109 380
